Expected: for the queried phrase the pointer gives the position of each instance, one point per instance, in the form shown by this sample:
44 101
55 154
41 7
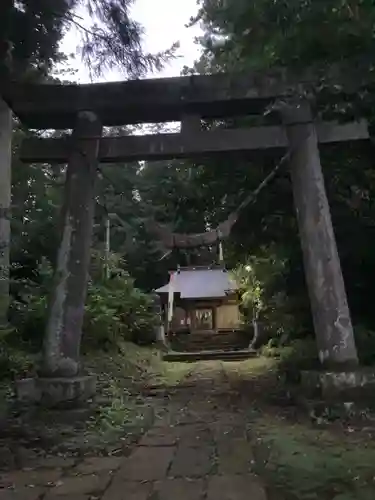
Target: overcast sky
164 22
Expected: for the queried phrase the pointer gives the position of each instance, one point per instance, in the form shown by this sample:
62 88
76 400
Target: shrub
115 309
298 355
13 361
27 313
29 322
261 281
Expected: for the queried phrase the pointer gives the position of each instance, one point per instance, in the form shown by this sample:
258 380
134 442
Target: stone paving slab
224 431
198 450
161 436
30 478
180 489
22 493
235 456
235 488
52 496
147 464
173 418
191 462
99 464
54 463
80 485
128 490
7 458
194 435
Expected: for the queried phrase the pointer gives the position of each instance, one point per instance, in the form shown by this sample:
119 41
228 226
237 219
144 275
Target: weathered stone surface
81 485
186 460
235 488
147 464
190 357
180 489
99 464
161 436
329 305
25 456
190 462
22 493
52 391
62 340
55 462
52 496
27 390
194 435
59 390
157 100
235 456
128 490
7 459
223 431
350 385
30 478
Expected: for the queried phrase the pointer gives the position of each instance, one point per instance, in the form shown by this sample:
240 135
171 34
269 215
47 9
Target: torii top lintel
55 106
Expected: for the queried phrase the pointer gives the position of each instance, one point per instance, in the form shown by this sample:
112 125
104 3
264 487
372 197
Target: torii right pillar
329 305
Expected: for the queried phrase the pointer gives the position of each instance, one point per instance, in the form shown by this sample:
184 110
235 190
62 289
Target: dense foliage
265 33
299 34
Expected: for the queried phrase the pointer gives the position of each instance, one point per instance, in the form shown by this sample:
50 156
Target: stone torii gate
87 108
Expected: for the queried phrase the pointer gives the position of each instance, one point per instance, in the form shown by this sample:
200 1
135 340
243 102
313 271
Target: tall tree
265 33
262 34
30 36
31 30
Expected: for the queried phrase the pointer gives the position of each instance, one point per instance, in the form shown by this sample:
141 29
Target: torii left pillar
61 378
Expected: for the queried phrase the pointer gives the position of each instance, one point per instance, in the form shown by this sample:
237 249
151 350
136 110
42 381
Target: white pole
221 253
170 299
107 245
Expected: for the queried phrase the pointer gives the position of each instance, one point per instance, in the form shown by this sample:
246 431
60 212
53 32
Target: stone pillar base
350 385
56 391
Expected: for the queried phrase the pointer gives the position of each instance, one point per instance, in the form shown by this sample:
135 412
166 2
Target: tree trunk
67 305
5 200
329 306
254 340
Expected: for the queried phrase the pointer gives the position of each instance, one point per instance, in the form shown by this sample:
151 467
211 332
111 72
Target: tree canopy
31 31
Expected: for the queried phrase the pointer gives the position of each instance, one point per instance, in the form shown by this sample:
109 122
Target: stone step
209 355
229 341
209 347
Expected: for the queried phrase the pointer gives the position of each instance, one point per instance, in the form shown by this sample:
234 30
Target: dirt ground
219 431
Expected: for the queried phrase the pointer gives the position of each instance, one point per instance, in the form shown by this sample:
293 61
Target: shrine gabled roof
201 283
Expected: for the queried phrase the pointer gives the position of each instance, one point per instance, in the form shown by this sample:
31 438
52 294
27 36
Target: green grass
121 377
253 367
307 463
299 460
171 374
138 365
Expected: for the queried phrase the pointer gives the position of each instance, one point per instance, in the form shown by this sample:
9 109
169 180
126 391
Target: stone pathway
199 450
